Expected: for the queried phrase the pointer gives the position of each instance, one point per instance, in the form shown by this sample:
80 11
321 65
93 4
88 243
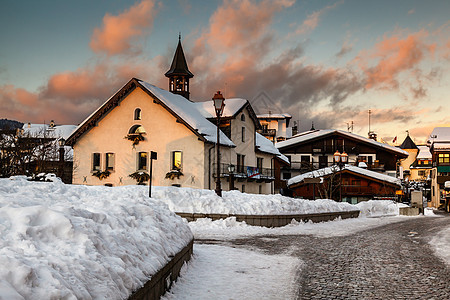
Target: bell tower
179 73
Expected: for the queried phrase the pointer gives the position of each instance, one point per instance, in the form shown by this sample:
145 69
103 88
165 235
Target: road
394 261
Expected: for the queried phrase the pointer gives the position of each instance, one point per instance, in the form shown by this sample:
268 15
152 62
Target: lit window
176 160
444 158
142 160
136 129
96 161
109 161
137 114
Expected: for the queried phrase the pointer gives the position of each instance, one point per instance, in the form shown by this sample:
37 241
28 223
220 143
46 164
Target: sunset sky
322 61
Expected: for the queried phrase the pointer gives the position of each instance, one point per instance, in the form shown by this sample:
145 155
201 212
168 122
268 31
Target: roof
439 135
408 143
274 116
179 64
265 145
307 136
424 153
441 146
44 130
184 110
233 106
347 168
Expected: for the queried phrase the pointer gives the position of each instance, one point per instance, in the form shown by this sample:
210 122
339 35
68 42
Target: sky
327 62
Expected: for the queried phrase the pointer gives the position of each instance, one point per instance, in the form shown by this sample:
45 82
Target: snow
189 200
424 153
440 135
66 241
309 135
237 274
189 113
330 170
44 130
265 145
441 146
231 108
274 116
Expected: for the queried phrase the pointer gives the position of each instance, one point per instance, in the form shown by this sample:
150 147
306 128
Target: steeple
179 73
312 126
408 143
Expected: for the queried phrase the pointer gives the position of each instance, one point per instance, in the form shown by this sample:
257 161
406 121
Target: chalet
274 126
113 146
350 184
439 143
314 150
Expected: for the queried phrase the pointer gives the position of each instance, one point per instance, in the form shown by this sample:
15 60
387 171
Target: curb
274 220
163 279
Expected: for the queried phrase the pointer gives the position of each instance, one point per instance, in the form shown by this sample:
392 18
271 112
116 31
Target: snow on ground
219 272
76 242
190 200
99 242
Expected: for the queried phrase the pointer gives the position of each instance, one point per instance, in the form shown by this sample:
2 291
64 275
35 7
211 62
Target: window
444 158
96 162
137 114
240 163
243 118
260 189
243 188
421 173
136 129
287 175
259 164
243 134
109 161
176 160
142 160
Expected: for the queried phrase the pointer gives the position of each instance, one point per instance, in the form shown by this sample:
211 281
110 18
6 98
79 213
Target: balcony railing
267 132
304 167
357 190
245 172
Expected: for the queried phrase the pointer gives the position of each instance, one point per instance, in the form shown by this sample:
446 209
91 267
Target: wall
163 135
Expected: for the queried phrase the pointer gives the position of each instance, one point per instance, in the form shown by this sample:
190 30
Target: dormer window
243 118
137 114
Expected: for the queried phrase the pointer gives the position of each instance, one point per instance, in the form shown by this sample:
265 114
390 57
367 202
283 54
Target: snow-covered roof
329 170
232 107
309 135
274 116
265 145
188 111
284 158
440 135
424 153
44 130
441 146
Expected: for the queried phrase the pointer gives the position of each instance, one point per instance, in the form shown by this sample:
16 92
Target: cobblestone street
389 262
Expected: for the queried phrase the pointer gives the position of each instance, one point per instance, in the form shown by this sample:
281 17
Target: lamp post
62 143
340 160
231 169
219 104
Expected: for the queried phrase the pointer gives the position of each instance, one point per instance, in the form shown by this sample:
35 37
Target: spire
408 143
179 73
312 126
179 65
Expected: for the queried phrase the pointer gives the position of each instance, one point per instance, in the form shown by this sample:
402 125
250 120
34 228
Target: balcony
267 132
357 190
304 167
246 173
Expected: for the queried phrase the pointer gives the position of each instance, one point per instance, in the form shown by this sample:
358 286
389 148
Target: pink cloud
313 19
393 56
118 33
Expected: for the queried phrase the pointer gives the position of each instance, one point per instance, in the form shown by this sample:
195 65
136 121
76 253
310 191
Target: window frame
140 160
243 134
108 160
96 156
137 114
173 167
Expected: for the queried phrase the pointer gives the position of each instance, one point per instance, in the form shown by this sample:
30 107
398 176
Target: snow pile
190 200
441 245
379 208
62 241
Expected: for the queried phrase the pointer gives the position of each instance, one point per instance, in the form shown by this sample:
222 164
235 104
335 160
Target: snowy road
394 261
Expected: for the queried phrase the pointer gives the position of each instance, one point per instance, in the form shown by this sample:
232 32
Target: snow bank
441 245
379 208
63 241
189 200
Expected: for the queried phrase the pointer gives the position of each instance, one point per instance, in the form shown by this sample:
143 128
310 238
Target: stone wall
274 220
163 279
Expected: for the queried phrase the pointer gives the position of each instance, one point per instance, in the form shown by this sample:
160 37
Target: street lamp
219 104
231 169
340 160
62 143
